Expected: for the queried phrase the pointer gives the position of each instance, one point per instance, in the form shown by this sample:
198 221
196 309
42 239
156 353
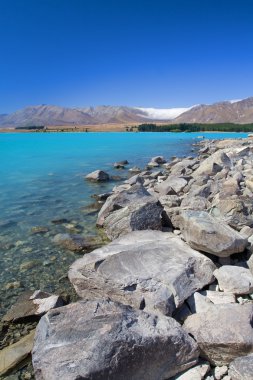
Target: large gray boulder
143 215
122 199
241 368
223 334
101 339
145 269
205 233
213 164
234 279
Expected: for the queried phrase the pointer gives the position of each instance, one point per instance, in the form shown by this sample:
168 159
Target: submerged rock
98 176
39 230
29 265
145 269
60 221
102 339
75 243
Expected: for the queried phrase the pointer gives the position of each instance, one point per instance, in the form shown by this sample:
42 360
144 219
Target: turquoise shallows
42 178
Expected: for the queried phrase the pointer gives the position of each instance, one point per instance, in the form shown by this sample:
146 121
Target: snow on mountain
162 113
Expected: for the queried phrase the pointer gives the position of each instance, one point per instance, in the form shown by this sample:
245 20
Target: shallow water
42 178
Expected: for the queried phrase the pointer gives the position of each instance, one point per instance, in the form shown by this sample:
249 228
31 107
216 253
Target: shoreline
117 131
163 198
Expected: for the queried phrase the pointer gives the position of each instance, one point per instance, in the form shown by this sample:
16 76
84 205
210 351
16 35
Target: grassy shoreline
133 127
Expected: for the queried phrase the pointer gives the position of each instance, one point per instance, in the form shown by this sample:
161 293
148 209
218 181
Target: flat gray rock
223 334
219 297
233 279
207 234
198 372
241 368
32 304
145 269
171 184
101 340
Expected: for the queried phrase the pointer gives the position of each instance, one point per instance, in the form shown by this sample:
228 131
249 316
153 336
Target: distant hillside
54 115
224 112
239 112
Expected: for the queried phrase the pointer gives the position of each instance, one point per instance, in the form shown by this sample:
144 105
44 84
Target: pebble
219 372
13 285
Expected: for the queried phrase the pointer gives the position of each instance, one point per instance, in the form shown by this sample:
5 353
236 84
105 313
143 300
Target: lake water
42 179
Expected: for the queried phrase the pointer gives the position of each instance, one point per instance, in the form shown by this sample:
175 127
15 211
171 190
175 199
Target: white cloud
163 113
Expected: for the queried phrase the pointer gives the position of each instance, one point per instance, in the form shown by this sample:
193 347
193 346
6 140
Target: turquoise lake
42 179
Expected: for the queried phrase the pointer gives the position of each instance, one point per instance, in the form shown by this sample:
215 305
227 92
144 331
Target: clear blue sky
157 53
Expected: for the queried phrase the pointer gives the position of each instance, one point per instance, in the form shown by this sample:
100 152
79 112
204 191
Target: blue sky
139 53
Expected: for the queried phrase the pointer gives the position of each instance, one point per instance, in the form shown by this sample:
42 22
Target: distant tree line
196 127
32 127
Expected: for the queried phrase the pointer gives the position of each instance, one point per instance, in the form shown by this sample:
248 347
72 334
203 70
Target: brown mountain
234 112
54 115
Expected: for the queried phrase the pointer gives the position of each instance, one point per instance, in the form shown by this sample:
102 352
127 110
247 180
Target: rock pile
171 297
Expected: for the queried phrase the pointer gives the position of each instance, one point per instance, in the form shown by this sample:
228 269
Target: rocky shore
171 296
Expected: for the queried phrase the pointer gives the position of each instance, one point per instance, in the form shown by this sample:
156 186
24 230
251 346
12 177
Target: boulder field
171 296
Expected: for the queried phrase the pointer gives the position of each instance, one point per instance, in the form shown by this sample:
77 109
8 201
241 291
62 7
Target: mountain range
239 111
